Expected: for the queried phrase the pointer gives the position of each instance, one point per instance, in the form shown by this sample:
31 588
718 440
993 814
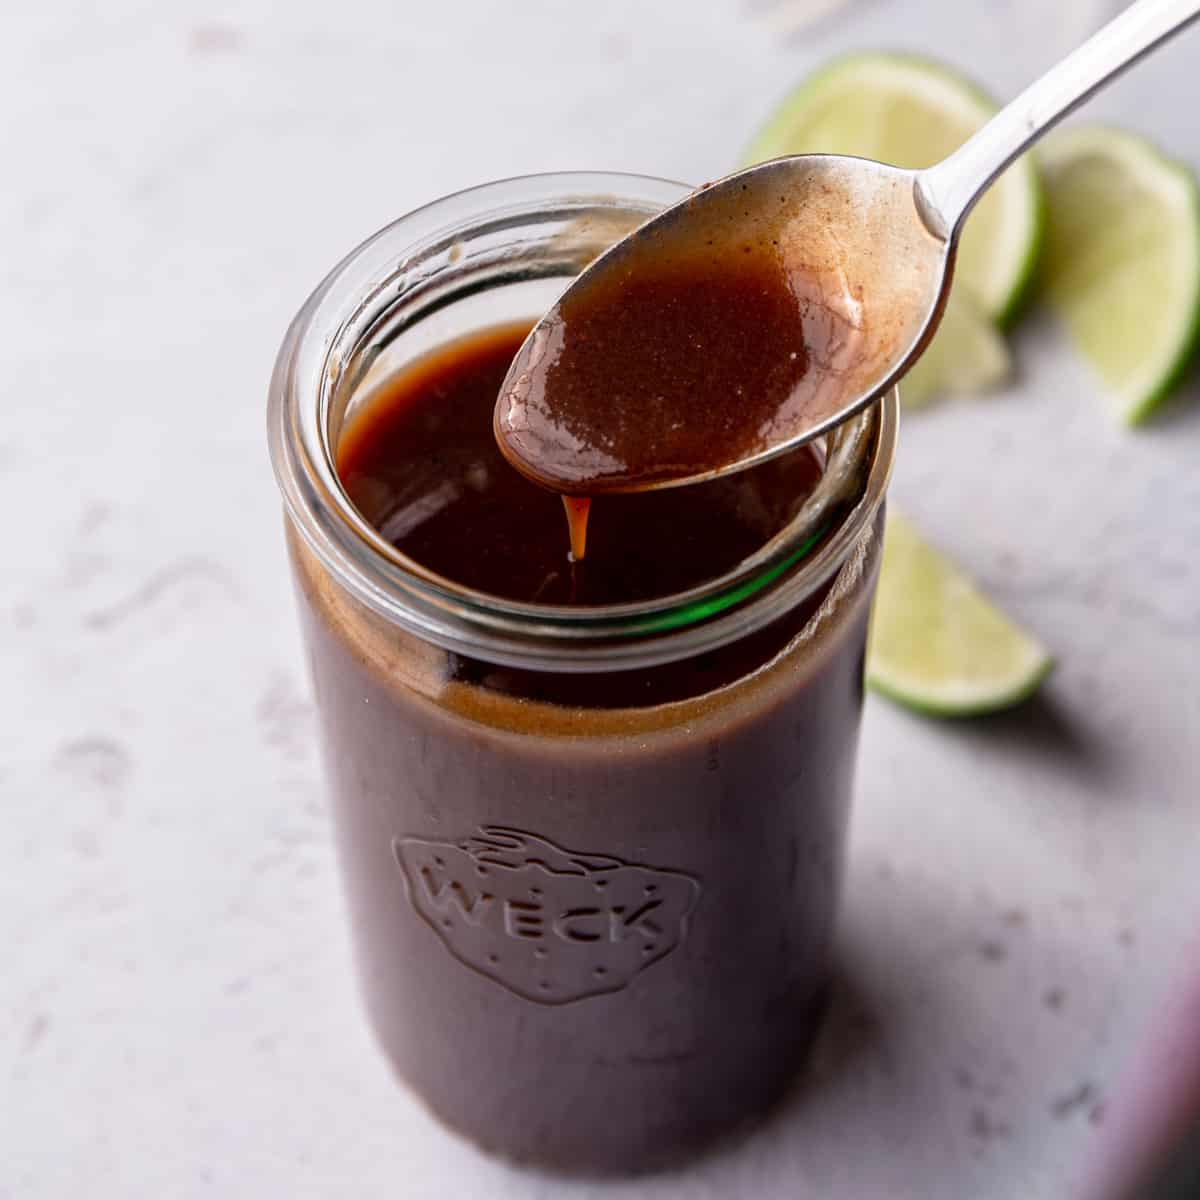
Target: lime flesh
1122 266
968 354
937 644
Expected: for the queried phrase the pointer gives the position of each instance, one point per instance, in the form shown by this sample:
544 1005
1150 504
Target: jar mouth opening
534 231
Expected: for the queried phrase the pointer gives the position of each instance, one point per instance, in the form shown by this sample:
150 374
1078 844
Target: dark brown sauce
422 465
635 959
685 349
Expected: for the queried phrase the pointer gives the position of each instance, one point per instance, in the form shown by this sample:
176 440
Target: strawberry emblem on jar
551 925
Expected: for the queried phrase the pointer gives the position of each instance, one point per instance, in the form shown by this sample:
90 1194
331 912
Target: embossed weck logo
550 924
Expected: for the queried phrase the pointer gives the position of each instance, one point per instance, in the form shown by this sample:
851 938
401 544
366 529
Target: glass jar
592 855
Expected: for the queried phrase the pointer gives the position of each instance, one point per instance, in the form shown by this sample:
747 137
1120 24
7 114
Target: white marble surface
179 1017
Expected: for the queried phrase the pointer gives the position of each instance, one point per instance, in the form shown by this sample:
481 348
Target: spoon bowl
845 243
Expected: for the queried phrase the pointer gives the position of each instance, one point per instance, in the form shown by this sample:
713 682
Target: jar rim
319 351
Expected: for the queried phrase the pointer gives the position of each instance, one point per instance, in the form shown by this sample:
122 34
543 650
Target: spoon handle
948 191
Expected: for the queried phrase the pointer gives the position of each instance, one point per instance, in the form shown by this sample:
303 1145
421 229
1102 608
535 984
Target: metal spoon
879 242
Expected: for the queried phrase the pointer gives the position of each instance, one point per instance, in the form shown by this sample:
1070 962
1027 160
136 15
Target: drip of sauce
577 508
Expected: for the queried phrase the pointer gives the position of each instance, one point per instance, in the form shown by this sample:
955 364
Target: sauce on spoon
693 344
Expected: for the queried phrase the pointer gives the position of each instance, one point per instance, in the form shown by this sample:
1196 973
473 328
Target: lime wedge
967 355
1122 264
913 112
936 643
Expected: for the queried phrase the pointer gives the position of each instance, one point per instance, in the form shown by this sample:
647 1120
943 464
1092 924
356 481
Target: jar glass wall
592 856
